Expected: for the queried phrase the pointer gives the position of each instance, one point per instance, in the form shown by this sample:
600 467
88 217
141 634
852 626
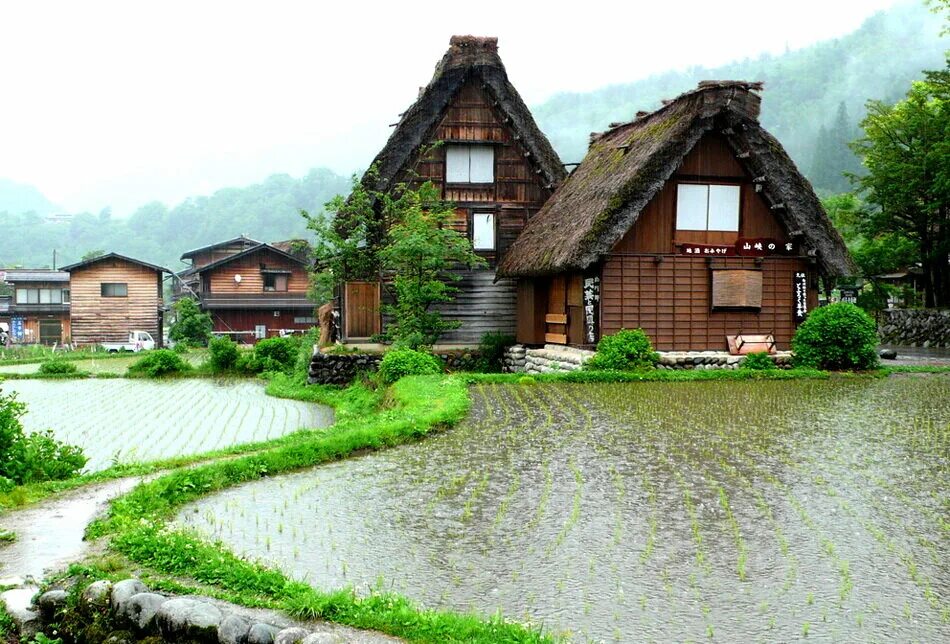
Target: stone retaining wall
553 357
915 327
340 368
127 612
714 360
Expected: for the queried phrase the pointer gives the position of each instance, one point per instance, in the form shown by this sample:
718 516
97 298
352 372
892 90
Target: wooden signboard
849 294
708 250
764 247
591 301
800 296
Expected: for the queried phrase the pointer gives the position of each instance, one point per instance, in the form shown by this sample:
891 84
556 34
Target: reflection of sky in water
138 420
668 511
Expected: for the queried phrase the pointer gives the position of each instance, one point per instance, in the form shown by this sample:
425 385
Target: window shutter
736 289
456 164
483 231
724 208
482 164
691 204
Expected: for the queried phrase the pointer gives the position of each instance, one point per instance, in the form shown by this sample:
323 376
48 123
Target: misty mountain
21 197
806 91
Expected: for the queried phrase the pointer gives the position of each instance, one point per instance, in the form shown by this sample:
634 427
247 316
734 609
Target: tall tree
906 150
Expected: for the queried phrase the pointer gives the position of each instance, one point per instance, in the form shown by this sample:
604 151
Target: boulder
124 589
96 596
234 629
291 635
187 618
262 634
139 611
50 603
888 354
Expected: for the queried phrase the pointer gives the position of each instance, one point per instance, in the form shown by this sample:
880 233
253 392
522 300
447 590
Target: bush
277 354
222 354
407 362
626 350
305 352
26 458
191 327
491 351
839 337
758 361
55 366
155 364
181 348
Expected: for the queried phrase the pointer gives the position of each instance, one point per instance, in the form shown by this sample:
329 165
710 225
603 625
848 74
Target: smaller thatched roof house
699 176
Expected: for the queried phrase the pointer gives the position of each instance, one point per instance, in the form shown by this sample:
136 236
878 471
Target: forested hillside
813 98
268 211
20 197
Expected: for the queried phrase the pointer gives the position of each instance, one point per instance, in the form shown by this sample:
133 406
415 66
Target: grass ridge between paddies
366 420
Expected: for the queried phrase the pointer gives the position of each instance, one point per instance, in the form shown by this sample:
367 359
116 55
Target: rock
140 610
17 604
888 354
291 635
120 637
50 603
189 618
262 634
234 630
124 589
96 596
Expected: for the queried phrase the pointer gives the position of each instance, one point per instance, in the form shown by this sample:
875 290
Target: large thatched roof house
494 164
690 221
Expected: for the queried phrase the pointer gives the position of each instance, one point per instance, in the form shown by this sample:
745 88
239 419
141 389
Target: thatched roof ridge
467 57
628 164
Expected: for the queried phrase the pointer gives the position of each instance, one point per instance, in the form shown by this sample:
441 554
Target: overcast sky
119 103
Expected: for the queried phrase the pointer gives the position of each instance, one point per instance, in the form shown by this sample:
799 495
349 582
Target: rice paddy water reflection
749 511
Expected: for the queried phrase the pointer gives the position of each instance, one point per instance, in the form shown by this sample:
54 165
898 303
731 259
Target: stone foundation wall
514 359
340 368
915 327
714 360
553 357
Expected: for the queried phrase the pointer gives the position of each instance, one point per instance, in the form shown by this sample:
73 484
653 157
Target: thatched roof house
627 165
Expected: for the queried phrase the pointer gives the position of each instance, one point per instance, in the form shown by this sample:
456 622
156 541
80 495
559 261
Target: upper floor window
41 296
483 231
469 164
703 206
114 289
275 282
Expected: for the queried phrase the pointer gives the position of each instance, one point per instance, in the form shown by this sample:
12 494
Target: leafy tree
403 238
92 254
906 150
191 326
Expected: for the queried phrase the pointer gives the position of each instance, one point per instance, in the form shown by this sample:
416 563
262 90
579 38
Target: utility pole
54 259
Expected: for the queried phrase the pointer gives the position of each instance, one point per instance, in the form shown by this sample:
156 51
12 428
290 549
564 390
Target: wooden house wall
242 322
516 195
221 279
31 326
109 319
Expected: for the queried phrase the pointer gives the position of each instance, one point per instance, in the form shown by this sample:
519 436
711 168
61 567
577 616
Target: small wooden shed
690 222
112 295
494 164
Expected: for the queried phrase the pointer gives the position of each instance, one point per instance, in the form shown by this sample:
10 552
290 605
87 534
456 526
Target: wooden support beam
555 338
556 318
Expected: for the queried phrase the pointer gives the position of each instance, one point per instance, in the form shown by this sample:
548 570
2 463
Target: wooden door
556 319
51 331
362 319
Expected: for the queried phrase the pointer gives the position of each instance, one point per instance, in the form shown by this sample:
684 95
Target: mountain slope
20 197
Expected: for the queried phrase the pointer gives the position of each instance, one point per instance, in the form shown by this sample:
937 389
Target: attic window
469 164
703 206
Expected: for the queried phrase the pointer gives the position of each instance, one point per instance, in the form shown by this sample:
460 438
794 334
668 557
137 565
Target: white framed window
469 164
703 206
483 231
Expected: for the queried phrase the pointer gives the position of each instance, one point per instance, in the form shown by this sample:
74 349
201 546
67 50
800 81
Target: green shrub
181 348
625 350
491 351
305 352
222 354
758 361
55 366
191 326
838 336
407 362
163 362
27 458
527 380
277 354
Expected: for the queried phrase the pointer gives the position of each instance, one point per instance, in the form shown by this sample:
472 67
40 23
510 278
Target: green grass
366 420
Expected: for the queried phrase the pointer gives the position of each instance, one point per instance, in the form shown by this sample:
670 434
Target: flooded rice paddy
744 511
106 364
118 420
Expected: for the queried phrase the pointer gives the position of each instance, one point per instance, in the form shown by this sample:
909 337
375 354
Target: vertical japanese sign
849 294
800 297
591 300
16 328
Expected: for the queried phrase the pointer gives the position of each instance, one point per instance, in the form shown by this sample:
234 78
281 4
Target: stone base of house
554 357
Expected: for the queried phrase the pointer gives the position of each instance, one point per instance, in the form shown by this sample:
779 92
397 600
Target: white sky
119 103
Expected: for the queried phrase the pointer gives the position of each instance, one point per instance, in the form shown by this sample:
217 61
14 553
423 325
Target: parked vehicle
138 341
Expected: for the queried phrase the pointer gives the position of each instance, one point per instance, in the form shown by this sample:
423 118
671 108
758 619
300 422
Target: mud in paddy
743 511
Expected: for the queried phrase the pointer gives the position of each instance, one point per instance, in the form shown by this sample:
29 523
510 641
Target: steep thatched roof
628 164
467 57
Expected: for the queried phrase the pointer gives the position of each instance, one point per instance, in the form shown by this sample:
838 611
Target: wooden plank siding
242 322
515 196
31 327
97 319
221 280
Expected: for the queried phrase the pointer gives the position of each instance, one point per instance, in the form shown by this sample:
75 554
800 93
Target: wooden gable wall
221 280
109 319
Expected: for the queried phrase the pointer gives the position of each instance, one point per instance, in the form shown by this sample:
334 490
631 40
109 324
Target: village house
111 295
493 164
690 222
252 290
38 310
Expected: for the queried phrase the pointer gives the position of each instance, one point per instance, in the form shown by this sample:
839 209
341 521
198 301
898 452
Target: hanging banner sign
800 296
17 328
759 247
591 299
708 250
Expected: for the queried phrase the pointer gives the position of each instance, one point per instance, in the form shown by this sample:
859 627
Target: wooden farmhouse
112 295
38 310
690 222
493 163
251 289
